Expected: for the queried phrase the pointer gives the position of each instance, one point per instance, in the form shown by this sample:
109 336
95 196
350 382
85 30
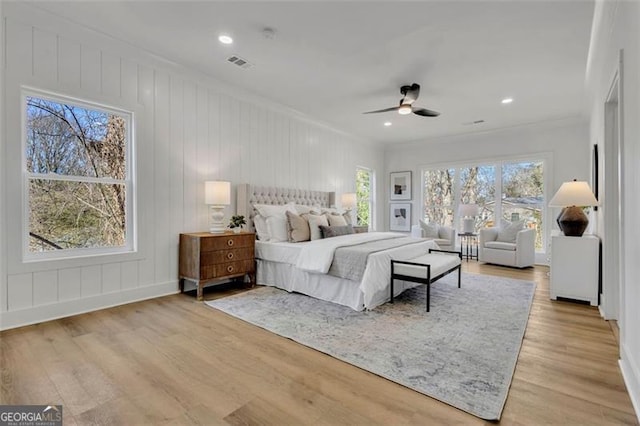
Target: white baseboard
631 376
34 315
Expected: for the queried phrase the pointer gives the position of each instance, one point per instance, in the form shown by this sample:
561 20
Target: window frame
130 245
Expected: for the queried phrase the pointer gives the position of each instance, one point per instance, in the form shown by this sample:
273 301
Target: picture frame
400 217
400 186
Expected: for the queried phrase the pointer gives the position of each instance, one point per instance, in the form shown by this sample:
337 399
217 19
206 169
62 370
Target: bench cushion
440 263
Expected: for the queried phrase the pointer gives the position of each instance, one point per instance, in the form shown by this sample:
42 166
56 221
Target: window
512 190
77 166
364 197
439 196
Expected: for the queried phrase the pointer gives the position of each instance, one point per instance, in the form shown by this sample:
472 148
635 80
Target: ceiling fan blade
425 112
411 93
382 110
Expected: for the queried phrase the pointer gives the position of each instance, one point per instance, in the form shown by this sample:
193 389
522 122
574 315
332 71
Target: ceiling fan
410 94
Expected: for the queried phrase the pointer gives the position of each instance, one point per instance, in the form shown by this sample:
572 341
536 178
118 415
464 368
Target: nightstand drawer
227 242
223 256
225 269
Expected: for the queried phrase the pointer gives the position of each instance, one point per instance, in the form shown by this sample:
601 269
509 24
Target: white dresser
575 266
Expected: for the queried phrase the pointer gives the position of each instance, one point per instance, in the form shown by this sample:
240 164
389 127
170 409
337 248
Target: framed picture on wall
400 217
400 186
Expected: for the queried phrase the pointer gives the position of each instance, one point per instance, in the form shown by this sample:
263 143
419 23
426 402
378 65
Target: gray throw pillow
336 231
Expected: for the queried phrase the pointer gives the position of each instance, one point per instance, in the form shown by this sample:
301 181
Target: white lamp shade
217 193
469 210
575 193
348 200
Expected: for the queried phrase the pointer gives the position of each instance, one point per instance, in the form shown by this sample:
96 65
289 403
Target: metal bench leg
428 287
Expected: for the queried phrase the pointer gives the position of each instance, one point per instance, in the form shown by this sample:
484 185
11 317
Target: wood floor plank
175 361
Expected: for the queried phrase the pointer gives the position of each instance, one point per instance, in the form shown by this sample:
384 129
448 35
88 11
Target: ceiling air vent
241 62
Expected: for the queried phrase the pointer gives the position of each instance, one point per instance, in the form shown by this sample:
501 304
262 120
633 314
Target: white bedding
313 258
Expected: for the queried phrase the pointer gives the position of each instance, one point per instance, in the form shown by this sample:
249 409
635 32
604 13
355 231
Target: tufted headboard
248 195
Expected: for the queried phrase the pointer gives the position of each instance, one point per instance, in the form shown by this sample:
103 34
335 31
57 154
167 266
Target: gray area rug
463 352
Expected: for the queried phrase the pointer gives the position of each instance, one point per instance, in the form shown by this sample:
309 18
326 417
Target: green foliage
237 221
363 197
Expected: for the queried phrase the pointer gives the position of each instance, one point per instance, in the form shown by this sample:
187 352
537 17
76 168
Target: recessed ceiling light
225 39
387 123
507 100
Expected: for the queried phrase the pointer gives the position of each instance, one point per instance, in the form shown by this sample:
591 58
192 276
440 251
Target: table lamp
469 213
572 196
217 194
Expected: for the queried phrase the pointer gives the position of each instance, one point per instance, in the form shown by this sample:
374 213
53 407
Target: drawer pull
229 256
229 243
230 268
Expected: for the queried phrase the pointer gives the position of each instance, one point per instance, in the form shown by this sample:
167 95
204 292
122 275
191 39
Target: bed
307 267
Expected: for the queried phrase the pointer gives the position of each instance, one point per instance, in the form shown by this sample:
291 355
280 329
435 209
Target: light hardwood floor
173 360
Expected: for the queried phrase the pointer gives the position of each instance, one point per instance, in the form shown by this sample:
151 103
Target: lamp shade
575 193
469 210
348 200
217 193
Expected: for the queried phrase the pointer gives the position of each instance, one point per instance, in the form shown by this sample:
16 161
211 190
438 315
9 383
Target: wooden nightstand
206 257
360 229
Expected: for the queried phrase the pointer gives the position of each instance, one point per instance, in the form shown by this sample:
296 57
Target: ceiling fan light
404 109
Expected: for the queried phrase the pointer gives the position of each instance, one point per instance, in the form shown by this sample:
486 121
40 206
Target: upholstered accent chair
444 236
519 251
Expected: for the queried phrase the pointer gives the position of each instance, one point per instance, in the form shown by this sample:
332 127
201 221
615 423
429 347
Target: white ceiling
334 60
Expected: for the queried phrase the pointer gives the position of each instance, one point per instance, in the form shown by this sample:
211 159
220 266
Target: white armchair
446 239
521 253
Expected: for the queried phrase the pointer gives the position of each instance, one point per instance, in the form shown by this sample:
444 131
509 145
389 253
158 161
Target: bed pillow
508 231
336 231
297 228
277 228
260 224
302 209
315 221
268 210
430 230
337 220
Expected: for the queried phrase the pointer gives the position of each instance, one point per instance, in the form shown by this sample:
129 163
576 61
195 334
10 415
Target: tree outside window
79 185
364 196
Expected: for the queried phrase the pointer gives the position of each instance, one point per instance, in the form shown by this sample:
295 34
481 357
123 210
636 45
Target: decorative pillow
337 220
336 231
315 221
268 210
508 231
347 218
260 224
331 210
298 228
430 229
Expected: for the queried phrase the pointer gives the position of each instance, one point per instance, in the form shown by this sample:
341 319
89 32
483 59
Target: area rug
462 353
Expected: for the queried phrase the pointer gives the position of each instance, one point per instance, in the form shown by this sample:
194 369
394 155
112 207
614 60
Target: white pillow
508 231
337 220
260 224
331 210
277 227
315 221
430 229
268 210
302 209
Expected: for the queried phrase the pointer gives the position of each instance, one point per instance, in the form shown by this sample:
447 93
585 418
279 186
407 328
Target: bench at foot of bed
426 269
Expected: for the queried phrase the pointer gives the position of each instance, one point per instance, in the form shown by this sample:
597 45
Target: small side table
469 241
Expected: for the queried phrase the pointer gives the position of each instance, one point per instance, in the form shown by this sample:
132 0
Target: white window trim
129 182
545 157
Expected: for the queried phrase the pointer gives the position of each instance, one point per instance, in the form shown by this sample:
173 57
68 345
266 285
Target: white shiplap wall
189 129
